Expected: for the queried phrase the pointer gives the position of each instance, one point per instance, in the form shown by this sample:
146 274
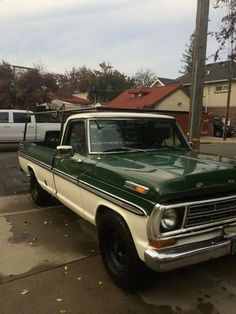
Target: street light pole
198 73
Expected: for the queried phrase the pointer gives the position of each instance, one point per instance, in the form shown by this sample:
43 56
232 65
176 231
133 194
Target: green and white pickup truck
134 176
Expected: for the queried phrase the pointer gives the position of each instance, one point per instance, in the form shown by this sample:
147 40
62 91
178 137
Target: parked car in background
218 125
12 126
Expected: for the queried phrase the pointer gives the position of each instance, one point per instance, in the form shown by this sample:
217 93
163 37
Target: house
216 90
172 99
72 102
162 81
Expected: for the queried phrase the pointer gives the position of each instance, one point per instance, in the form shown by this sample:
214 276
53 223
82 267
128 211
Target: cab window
19 117
4 117
76 136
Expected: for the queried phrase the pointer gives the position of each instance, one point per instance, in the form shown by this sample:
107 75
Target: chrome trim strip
211 212
164 117
186 255
188 233
200 227
184 217
160 208
183 135
114 199
39 163
65 176
106 195
225 198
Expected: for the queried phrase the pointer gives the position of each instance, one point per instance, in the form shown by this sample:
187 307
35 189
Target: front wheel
118 251
39 195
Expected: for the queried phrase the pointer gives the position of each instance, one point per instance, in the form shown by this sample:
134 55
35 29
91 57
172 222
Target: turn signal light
136 187
140 189
159 244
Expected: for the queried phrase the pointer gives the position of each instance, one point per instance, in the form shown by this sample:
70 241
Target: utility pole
198 73
230 65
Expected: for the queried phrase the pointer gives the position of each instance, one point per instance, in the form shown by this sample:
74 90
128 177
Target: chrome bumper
190 254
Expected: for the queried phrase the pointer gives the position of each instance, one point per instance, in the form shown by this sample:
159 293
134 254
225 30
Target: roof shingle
141 97
213 72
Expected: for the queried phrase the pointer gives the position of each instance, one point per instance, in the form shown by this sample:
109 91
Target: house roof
163 81
76 100
144 97
213 72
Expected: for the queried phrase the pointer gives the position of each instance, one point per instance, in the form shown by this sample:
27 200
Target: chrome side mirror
65 151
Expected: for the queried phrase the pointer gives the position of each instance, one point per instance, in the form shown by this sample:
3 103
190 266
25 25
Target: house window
223 88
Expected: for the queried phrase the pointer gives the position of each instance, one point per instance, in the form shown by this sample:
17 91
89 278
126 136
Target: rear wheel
118 251
39 195
218 133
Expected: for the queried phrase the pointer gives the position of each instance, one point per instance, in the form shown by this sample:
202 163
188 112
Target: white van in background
12 126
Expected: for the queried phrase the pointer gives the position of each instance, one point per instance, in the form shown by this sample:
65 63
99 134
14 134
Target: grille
211 212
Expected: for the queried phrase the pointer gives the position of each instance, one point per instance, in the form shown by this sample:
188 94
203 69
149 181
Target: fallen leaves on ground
24 291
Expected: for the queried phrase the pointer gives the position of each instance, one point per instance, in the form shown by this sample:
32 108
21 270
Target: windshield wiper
174 147
120 149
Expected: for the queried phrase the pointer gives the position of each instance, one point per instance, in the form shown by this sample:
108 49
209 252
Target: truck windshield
134 134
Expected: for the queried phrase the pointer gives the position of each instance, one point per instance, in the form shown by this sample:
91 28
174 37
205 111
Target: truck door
4 126
67 170
18 127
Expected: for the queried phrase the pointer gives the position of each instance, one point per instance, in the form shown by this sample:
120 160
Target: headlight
164 220
169 219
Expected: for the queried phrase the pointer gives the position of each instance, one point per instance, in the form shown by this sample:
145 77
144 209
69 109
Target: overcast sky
130 34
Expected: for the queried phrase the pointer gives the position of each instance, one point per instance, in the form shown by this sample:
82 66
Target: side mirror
65 151
190 144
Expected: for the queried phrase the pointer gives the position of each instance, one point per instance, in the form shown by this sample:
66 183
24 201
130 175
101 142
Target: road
50 262
220 149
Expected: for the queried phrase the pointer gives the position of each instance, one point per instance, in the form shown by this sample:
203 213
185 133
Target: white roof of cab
91 115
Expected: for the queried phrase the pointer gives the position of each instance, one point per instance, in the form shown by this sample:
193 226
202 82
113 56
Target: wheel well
100 211
30 170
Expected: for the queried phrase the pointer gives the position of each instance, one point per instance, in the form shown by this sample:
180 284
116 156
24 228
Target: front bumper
185 255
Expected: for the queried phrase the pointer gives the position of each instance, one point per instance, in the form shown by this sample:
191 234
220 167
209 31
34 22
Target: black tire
118 251
218 133
39 195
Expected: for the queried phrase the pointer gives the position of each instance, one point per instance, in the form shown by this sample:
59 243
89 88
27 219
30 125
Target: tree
65 88
227 32
187 57
50 82
29 89
144 78
29 86
7 96
107 83
81 78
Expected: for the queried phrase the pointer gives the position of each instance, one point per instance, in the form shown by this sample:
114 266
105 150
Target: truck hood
170 175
